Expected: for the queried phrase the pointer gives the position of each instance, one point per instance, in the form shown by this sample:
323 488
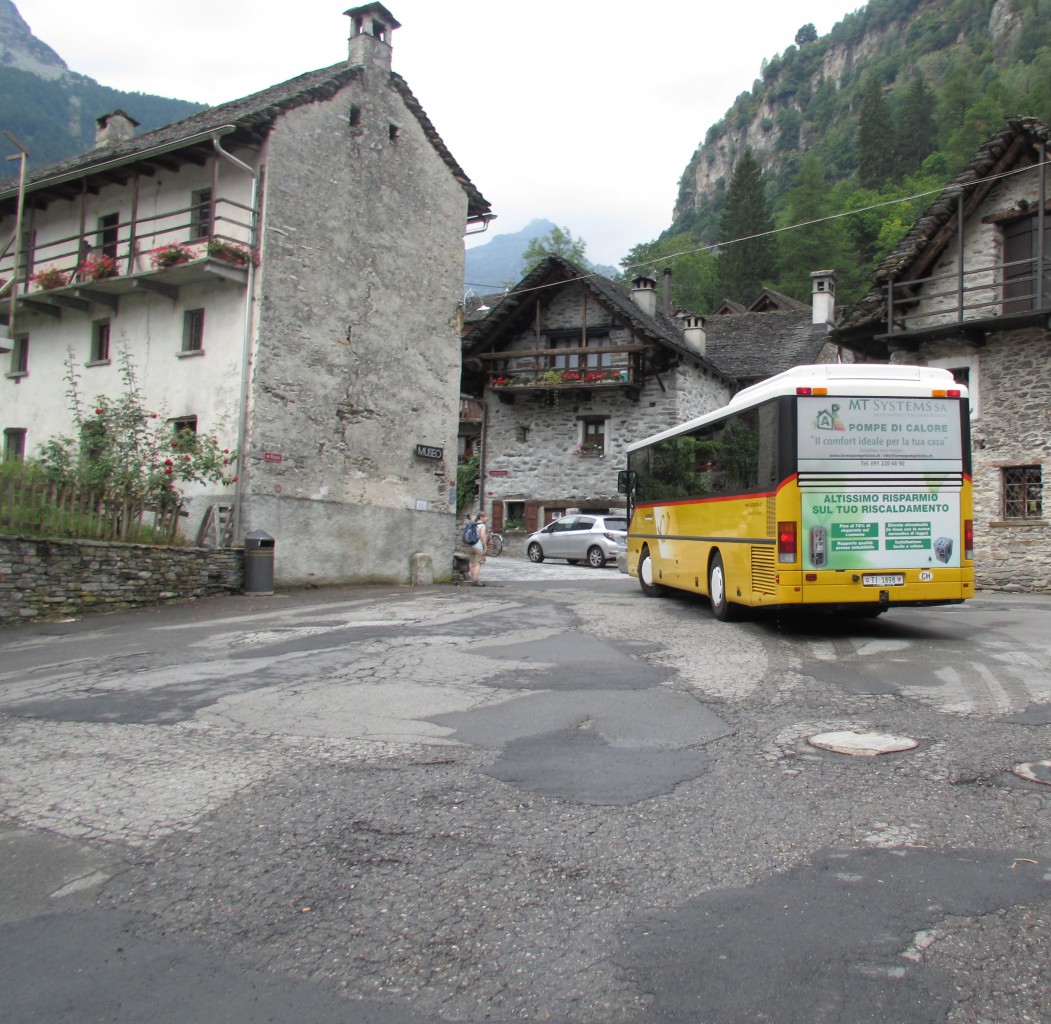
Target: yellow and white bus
846 486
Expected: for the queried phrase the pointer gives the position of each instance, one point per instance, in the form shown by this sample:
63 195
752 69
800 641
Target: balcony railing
994 290
582 367
157 253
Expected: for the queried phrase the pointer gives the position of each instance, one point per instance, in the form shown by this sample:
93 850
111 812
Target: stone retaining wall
41 579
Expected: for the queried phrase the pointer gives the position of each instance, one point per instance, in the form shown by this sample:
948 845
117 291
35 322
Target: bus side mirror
623 482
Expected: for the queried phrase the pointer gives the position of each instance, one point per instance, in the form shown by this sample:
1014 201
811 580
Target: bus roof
841 378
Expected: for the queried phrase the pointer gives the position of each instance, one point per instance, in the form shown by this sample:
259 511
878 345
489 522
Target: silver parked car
576 538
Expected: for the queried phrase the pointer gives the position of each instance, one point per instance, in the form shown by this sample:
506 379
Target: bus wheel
649 588
721 607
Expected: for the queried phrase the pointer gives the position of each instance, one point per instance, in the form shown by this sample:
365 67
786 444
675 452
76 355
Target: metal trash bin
259 563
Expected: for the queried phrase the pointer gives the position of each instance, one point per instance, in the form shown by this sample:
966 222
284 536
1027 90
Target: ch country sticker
828 419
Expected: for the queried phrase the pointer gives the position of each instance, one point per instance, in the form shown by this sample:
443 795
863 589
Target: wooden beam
975 197
147 284
97 297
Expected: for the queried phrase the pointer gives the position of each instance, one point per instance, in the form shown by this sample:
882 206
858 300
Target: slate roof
247 120
1018 141
769 301
750 346
554 270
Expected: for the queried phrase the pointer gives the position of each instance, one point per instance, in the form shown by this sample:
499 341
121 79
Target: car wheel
596 556
722 609
535 552
649 588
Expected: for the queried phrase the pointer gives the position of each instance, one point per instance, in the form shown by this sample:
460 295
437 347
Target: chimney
693 333
644 293
666 297
371 27
112 129
823 287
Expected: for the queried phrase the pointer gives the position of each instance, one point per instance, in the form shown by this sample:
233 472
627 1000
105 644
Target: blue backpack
470 532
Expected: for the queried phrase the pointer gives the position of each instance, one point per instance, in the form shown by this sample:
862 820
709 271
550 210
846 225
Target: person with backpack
476 536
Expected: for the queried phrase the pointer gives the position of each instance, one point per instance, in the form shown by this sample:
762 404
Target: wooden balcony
160 255
586 369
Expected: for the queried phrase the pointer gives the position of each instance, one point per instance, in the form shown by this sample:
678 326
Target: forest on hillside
854 157
55 118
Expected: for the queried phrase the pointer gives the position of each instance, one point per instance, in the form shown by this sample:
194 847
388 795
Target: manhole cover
861 744
1035 771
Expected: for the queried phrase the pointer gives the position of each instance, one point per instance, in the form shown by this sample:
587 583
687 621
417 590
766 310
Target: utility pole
17 246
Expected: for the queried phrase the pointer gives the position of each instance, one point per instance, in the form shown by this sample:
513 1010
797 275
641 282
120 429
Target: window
598 360
100 333
393 131
965 371
182 425
106 235
566 362
593 436
20 356
14 444
1022 288
1023 492
201 215
193 330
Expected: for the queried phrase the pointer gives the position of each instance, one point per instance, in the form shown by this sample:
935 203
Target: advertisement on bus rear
865 434
915 529
869 526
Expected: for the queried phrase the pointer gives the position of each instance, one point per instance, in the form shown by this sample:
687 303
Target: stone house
964 290
569 368
283 272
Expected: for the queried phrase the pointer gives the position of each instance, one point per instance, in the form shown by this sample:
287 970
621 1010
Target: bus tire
722 609
649 588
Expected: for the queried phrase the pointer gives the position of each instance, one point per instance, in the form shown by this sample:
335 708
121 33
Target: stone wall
1011 374
41 579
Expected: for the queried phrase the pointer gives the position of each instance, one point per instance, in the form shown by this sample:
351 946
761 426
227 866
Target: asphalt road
551 799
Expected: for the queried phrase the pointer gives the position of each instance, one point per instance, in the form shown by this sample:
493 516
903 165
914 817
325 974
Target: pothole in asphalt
1035 771
861 744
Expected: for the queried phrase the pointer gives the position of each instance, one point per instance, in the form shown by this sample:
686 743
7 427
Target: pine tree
747 264
818 246
875 135
917 131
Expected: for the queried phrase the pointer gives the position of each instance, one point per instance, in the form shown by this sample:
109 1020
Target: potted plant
230 252
51 277
95 268
170 255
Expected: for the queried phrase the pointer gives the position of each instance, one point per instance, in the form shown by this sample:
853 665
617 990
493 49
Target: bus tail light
968 538
786 542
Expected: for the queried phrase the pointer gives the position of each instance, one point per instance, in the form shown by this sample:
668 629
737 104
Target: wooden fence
36 508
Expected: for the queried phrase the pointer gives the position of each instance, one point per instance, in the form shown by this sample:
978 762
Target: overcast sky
582 112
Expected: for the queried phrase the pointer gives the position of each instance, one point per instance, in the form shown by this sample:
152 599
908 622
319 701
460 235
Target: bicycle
495 544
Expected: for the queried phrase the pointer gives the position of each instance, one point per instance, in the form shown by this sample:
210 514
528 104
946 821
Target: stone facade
42 579
328 359
1010 376
635 375
540 466
971 304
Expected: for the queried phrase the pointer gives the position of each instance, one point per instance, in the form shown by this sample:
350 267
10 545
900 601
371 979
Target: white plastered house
324 346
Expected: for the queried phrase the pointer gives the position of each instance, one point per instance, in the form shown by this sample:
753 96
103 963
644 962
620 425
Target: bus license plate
890 579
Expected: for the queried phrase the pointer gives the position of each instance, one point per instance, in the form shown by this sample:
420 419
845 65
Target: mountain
893 101
52 110
498 263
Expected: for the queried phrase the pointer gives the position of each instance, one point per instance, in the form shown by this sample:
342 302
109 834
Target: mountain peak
20 49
